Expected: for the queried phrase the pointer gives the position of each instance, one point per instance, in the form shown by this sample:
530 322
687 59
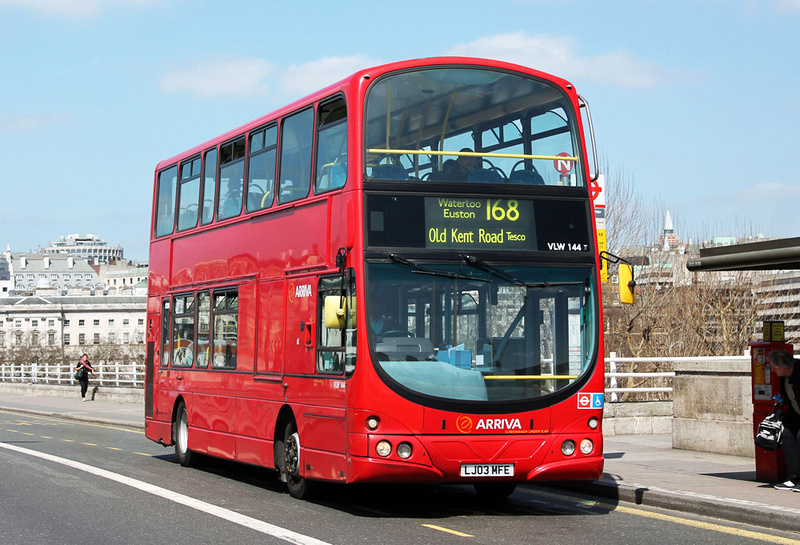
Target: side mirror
626 284
339 312
335 311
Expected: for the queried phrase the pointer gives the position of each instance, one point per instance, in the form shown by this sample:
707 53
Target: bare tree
677 312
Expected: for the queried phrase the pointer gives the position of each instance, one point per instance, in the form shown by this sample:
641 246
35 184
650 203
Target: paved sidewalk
640 469
646 470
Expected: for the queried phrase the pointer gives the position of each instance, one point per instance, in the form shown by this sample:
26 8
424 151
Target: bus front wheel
181 436
299 487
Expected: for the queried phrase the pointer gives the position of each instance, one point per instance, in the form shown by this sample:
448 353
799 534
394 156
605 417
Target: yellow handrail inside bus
472 154
530 377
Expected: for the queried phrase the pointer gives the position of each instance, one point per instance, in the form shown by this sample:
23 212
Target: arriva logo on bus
466 424
300 292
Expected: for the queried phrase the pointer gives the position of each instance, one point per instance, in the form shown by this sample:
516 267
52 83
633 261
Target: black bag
770 431
80 374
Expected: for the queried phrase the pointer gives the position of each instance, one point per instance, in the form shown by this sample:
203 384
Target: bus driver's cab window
336 352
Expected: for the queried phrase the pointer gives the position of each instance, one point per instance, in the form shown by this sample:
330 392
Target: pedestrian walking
82 372
788 369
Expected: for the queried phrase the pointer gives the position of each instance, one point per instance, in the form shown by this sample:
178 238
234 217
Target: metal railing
108 373
622 375
649 382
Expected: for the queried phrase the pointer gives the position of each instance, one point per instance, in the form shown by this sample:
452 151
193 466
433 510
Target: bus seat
187 219
389 172
529 177
484 176
338 176
254 200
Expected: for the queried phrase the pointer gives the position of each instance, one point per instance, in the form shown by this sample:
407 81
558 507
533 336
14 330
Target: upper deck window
189 196
471 125
261 168
297 137
231 179
165 201
209 186
332 146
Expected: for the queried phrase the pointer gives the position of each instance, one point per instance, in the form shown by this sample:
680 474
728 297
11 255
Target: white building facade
60 272
72 321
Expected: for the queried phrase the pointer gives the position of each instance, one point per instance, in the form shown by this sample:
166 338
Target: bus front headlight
404 450
383 448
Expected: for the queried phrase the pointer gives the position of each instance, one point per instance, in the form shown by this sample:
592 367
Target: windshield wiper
419 269
476 263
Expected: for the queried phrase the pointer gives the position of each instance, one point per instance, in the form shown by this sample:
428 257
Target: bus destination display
465 222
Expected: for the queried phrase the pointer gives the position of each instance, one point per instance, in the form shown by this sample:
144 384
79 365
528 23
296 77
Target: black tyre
299 487
180 430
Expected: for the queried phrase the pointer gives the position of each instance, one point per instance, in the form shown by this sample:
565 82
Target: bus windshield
471 125
475 332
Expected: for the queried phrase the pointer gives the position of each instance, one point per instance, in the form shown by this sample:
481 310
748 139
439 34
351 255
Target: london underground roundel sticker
590 401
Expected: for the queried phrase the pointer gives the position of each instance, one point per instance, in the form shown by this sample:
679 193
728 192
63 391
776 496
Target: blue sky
697 102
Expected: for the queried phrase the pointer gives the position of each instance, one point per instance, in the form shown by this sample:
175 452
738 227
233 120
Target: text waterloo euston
492 223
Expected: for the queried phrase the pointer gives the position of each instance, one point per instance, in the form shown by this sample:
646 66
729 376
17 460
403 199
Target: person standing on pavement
788 369
82 371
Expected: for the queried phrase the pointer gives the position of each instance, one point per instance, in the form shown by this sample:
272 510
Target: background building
123 278
6 285
61 272
84 246
71 321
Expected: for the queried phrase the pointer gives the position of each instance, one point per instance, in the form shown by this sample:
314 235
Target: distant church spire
669 238
668 227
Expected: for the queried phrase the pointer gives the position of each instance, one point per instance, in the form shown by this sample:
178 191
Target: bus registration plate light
487 470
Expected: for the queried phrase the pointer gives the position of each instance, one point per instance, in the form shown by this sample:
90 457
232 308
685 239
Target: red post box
770 466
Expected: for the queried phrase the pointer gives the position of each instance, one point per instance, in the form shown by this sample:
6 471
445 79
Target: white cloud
30 122
768 191
299 80
69 8
558 56
789 5
221 77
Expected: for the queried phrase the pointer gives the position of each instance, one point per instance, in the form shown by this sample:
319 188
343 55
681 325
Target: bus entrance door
301 329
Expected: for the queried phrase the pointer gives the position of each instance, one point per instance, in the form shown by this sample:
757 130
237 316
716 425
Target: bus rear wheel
299 487
180 430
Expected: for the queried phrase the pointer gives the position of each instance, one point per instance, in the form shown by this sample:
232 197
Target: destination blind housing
470 223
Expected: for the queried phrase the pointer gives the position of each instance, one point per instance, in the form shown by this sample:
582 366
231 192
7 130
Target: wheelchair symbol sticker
590 401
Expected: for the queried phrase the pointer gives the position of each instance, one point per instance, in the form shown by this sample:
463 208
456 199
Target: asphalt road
67 481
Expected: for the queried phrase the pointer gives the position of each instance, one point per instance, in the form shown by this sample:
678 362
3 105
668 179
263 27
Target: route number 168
498 212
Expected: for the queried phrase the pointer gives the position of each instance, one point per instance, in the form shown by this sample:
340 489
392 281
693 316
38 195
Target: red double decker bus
393 279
